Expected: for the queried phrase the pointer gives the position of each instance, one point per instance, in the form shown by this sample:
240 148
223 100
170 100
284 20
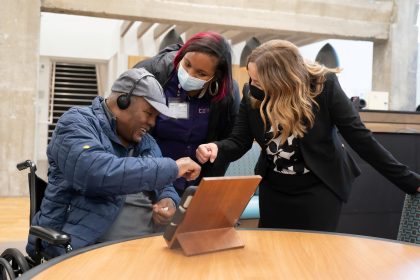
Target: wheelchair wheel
16 260
6 270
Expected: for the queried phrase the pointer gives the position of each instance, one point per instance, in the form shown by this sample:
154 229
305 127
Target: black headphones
124 100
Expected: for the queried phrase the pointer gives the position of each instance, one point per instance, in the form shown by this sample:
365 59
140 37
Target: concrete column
395 60
19 53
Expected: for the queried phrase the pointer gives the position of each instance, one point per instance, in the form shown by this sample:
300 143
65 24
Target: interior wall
19 58
78 36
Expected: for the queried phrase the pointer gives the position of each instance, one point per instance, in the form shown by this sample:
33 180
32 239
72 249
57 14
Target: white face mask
187 82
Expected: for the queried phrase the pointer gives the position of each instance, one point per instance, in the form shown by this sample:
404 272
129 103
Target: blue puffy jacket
89 174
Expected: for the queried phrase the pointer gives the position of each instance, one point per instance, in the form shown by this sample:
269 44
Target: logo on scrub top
203 110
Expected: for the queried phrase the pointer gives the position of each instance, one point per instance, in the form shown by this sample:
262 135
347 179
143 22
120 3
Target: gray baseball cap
140 82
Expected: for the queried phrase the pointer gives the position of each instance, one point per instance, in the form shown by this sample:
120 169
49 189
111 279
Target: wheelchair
12 262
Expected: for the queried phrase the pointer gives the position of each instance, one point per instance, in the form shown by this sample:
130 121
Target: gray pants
134 219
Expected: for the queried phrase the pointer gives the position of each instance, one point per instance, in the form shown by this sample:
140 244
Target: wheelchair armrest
52 236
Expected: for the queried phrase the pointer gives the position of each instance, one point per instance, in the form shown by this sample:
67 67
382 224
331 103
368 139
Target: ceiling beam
125 26
161 29
191 31
243 36
180 29
292 38
230 33
219 30
346 19
264 37
143 28
308 40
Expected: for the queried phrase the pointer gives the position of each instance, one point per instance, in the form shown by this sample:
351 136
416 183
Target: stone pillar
395 60
19 55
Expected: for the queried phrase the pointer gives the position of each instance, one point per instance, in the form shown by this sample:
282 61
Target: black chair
409 230
12 262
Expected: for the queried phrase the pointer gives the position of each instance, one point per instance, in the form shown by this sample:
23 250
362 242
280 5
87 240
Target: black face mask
257 93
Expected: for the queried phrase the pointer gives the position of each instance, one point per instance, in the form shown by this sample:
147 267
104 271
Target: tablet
180 212
210 209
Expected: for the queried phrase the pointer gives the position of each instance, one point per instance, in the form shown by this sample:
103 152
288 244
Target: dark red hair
214 44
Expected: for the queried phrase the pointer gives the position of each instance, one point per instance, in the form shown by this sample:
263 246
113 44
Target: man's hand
418 189
188 168
206 152
163 211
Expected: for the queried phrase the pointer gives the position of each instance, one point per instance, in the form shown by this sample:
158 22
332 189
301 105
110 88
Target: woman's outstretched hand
206 152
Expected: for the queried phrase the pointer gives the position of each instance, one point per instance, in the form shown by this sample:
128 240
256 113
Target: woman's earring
214 91
203 91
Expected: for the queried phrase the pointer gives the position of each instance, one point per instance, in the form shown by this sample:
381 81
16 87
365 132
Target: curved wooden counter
391 121
267 255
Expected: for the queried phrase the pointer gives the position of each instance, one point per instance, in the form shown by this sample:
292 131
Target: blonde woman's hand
206 152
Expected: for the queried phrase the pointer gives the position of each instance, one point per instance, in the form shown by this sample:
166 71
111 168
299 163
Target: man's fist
163 211
188 168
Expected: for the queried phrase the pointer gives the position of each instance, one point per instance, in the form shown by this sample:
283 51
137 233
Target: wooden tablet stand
209 221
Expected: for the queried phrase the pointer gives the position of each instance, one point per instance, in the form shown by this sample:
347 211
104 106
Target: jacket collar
109 126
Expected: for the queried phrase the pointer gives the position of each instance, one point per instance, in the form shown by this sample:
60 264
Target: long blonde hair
290 85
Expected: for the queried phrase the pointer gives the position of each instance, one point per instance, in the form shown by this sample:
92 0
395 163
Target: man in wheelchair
107 179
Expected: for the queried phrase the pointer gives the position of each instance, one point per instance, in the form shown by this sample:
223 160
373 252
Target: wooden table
268 254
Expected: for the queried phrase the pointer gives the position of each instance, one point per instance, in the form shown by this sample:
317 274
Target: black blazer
322 151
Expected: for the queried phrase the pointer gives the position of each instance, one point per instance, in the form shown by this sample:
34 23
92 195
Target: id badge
180 108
